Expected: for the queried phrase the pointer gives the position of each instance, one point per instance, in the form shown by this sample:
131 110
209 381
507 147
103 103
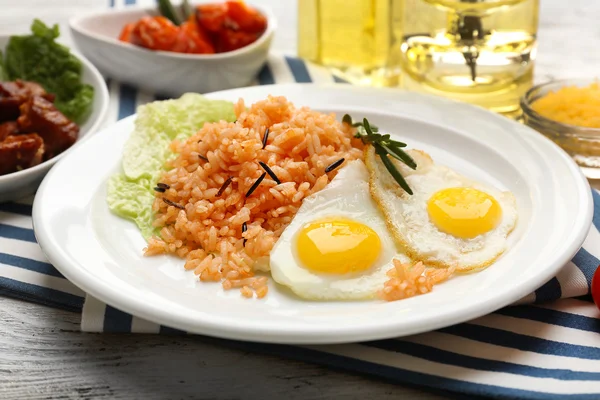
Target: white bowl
163 72
22 183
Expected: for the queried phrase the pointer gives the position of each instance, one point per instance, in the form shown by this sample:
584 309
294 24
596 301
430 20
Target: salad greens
39 58
3 75
130 193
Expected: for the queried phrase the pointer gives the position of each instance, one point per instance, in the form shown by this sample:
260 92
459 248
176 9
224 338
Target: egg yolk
338 246
464 212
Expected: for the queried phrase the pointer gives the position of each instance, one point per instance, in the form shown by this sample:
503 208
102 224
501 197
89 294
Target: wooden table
43 355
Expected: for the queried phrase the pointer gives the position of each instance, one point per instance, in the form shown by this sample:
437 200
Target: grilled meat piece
20 152
13 94
7 129
42 117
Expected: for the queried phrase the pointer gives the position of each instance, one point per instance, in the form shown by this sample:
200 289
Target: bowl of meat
205 47
50 100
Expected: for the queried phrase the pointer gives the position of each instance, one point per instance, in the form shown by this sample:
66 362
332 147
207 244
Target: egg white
409 222
347 196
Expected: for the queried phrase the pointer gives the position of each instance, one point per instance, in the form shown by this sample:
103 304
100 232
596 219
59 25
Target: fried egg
337 247
449 220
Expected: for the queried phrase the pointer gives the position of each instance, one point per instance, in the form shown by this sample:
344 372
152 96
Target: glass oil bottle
355 39
478 51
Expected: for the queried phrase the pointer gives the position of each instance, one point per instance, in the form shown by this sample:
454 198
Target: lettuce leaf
3 75
39 58
130 194
132 200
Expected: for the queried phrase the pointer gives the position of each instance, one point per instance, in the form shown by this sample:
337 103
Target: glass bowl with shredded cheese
568 112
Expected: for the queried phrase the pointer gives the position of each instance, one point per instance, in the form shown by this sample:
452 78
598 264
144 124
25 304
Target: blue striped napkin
542 348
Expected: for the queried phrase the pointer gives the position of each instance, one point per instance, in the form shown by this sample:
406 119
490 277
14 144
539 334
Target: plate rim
76 274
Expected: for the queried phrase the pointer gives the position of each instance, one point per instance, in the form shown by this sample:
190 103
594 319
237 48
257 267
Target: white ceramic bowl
162 72
19 184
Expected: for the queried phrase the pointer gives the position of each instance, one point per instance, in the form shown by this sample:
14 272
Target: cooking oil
354 38
478 51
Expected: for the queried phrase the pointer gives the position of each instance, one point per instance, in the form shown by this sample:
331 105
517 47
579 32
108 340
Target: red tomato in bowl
127 33
192 39
596 287
229 40
247 19
156 33
213 28
211 16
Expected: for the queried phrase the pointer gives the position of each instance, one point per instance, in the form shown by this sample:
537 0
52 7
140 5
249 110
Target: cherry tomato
213 28
211 17
596 287
192 39
127 33
246 18
156 33
229 40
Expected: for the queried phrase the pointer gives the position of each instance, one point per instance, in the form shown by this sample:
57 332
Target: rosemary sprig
176 15
168 11
384 146
382 153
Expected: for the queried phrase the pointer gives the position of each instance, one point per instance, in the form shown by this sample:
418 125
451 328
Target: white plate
102 253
